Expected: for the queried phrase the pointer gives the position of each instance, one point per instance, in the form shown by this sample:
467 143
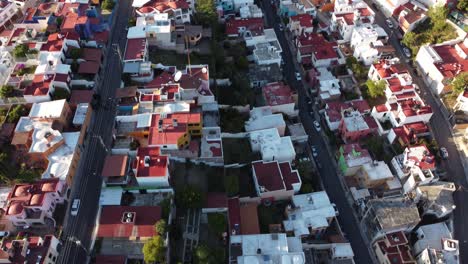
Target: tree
375 88
59 21
306 188
108 5
60 93
6 91
206 12
463 5
460 83
165 208
75 53
203 254
409 39
132 22
161 227
217 222
154 250
242 63
20 51
15 113
189 197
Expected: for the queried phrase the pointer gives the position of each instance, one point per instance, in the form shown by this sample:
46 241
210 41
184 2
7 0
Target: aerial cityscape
234 131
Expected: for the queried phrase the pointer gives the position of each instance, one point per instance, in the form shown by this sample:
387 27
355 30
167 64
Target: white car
389 23
317 126
444 153
314 151
281 27
298 76
407 52
75 207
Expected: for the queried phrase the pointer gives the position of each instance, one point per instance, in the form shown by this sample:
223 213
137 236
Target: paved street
328 171
87 182
442 131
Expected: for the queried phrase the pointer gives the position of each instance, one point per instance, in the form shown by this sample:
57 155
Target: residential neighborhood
234 131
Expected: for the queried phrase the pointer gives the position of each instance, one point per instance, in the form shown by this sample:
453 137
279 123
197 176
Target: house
374 175
314 49
348 14
329 85
352 157
435 244
364 42
279 97
408 133
385 216
57 111
288 8
436 198
243 217
128 222
462 102
260 75
240 3
115 170
275 180
300 24
244 28
440 64
271 146
215 203
273 247
34 204
388 68
389 8
355 126
393 248
136 50
406 111
334 109
8 12
179 11
310 215
151 168
266 53
298 133
409 16
211 147
32 249
263 118
250 11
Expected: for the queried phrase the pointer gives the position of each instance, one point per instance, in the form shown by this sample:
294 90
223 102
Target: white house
348 14
435 242
263 118
271 146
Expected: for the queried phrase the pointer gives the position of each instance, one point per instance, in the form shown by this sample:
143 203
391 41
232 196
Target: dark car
375 7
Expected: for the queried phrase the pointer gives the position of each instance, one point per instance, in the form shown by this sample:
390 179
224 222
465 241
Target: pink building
274 180
151 168
34 204
314 49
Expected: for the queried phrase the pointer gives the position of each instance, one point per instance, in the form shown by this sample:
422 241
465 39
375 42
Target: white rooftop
274 249
44 137
366 32
48 61
25 124
51 109
270 144
377 170
354 121
142 120
176 107
80 114
60 160
342 250
263 118
430 236
110 196
139 3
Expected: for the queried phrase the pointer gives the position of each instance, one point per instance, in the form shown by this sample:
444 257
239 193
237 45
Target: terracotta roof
39 86
234 216
135 49
89 67
290 176
171 131
254 25
111 224
277 94
130 91
150 163
115 166
249 219
452 64
92 54
305 20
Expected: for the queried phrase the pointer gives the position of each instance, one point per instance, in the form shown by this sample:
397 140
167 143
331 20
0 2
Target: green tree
409 39
154 250
463 5
242 63
165 208
25 174
203 255
60 93
206 12
59 21
108 5
20 51
437 14
217 222
75 53
161 227
460 83
132 22
15 113
375 88
189 197
306 187
6 91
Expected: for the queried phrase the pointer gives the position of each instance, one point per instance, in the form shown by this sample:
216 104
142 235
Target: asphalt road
87 182
442 131
328 173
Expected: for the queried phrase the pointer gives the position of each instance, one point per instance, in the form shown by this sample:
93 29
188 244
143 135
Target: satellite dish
204 70
177 76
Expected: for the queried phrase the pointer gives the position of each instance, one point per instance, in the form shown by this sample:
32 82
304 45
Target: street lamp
77 242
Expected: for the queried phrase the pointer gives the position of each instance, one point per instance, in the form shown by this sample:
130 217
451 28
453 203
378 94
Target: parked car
416 88
389 23
317 126
314 151
444 153
407 52
375 7
75 207
281 27
298 76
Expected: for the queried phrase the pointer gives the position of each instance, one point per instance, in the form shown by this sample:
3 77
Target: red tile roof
268 175
277 94
216 200
170 134
452 64
114 166
40 85
348 18
249 219
413 108
163 6
381 108
92 54
305 20
136 49
386 69
317 45
254 25
234 216
150 163
421 156
89 67
112 226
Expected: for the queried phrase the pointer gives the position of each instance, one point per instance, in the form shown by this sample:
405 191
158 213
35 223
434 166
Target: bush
161 227
154 250
217 223
376 88
6 91
189 197
165 208
15 113
60 93
306 188
108 5
20 51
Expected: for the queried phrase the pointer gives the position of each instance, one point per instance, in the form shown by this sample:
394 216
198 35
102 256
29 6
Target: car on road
416 88
317 126
281 27
298 76
444 153
314 151
75 207
389 23
375 7
407 52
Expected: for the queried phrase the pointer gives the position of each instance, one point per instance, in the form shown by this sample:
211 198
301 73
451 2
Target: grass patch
172 58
